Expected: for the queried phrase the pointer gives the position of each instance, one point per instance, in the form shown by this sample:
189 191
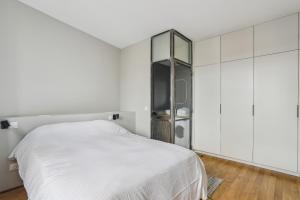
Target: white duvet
99 160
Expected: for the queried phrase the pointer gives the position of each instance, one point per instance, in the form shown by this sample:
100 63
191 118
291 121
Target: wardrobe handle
297 111
253 110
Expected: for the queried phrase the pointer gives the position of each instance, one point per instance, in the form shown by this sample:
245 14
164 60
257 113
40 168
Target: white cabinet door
236 115
275 120
276 36
207 52
206 109
237 45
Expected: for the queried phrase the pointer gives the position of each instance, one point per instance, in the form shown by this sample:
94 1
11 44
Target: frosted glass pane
161 47
182 49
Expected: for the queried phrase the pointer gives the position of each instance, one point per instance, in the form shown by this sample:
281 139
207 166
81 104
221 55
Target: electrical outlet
13 166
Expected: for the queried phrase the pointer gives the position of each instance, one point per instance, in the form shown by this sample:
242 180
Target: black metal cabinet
171 88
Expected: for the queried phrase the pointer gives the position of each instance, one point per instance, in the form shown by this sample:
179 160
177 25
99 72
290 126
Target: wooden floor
244 182
241 182
17 194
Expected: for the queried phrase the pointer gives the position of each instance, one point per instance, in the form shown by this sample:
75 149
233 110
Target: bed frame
9 138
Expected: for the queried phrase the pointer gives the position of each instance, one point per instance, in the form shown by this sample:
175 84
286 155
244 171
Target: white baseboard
249 163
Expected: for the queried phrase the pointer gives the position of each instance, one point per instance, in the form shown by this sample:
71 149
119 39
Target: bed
100 160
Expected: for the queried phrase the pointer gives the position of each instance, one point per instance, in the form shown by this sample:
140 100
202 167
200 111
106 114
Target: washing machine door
182 133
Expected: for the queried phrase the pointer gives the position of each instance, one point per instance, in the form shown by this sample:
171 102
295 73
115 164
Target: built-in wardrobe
246 95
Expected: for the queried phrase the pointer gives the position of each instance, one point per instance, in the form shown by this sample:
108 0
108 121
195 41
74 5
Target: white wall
135 84
47 67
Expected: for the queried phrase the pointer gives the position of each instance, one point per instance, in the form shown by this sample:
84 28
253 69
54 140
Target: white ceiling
125 22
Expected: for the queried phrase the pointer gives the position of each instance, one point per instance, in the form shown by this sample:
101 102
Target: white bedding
99 160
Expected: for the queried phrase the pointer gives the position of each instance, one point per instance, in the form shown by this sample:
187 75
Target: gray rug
212 184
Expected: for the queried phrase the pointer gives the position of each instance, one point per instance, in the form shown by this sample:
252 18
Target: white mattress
99 160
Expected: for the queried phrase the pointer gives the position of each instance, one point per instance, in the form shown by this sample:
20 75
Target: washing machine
182 133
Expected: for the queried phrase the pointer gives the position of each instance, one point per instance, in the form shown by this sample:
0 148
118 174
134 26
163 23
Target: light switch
110 117
14 124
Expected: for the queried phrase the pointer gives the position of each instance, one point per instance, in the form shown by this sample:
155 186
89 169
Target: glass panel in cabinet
161 47
161 88
182 49
183 91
